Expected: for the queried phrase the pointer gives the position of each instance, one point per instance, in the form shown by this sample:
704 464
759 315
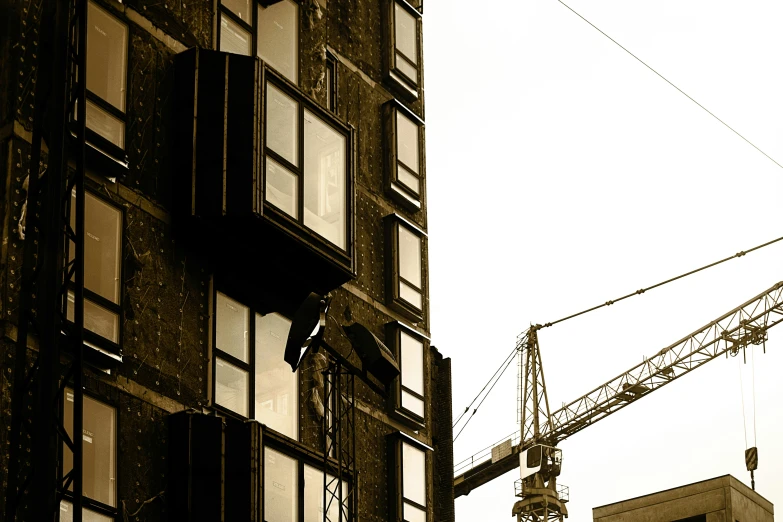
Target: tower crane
534 449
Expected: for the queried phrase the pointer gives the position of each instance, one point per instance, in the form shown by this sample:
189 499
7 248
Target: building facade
243 158
722 499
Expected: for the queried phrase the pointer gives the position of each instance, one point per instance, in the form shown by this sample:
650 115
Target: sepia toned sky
562 173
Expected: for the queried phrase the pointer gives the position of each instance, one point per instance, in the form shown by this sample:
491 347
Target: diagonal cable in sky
670 83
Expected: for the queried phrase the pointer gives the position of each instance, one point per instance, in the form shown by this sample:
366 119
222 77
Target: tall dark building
252 169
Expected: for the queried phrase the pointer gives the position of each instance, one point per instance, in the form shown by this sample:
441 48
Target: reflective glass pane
276 393
105 125
102 246
407 142
413 514
107 51
88 515
278 37
410 256
282 124
241 8
406 68
412 363
412 403
407 179
413 474
97 319
231 386
324 172
280 487
314 495
282 189
99 443
405 33
231 327
233 37
410 294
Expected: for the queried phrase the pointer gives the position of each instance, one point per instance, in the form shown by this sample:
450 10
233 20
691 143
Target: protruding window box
403 48
264 181
408 397
405 278
407 478
404 168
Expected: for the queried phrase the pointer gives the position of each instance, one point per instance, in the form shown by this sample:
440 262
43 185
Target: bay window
306 165
99 459
404 172
251 378
107 63
404 261
103 226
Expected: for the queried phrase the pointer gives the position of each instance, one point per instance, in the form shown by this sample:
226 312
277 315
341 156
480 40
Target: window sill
408 418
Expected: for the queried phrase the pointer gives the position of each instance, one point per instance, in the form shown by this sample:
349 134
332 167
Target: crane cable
496 377
643 290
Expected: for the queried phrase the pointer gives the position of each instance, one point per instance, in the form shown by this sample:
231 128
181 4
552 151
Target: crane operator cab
546 460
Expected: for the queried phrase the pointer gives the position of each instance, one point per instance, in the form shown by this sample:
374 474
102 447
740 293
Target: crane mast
535 444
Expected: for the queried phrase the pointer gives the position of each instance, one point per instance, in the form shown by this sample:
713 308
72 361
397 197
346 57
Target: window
405 281
276 31
409 467
306 168
408 397
103 226
282 476
99 472
251 378
107 56
404 168
404 48
278 37
331 82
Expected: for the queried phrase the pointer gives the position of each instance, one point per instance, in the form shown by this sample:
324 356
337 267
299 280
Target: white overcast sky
562 173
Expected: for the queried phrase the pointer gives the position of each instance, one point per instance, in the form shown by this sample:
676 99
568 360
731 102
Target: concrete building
722 499
241 156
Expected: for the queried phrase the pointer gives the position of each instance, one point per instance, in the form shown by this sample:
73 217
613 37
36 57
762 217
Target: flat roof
681 492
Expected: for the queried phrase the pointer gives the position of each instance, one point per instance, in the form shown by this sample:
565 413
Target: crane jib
745 325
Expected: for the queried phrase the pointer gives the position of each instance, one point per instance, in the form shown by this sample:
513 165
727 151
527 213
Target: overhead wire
672 84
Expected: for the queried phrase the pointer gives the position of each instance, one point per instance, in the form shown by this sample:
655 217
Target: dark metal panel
241 133
210 135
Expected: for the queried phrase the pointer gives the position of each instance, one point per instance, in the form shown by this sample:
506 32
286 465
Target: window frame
297 225
91 136
397 498
394 331
92 339
249 366
302 459
407 86
396 189
94 505
252 28
393 278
